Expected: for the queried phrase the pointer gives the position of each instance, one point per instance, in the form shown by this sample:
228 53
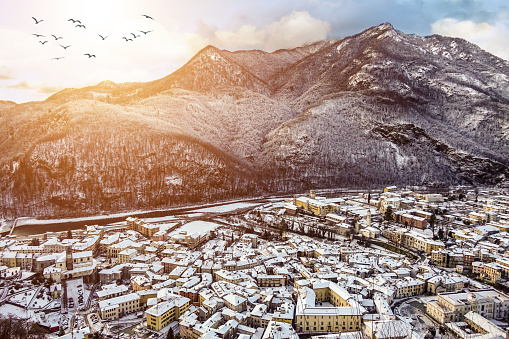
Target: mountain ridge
377 108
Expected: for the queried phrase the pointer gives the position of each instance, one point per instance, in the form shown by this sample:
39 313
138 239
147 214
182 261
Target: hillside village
387 264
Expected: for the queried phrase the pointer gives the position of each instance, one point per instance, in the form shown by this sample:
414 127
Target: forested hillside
381 107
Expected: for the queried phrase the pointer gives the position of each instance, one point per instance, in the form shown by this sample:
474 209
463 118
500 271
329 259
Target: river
35 226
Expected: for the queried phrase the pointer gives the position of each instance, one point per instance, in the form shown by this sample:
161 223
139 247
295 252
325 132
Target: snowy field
34 299
216 209
19 312
198 226
33 221
24 298
226 208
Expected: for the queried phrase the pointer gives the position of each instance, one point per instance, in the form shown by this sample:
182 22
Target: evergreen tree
432 221
388 214
170 334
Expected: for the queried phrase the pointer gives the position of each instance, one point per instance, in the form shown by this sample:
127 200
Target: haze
30 70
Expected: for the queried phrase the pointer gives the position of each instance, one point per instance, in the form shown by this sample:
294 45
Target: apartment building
266 280
126 255
165 312
116 248
413 239
114 308
408 287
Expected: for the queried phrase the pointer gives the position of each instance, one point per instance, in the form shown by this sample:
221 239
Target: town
387 263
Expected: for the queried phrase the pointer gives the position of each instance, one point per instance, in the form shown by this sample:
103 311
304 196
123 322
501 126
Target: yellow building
345 316
9 259
501 227
138 225
317 207
115 249
408 287
165 312
284 313
141 283
433 245
491 273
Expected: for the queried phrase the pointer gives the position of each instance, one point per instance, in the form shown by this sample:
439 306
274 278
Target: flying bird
43 42
127 39
102 37
145 32
90 55
37 21
56 38
135 36
148 17
65 47
57 58
81 26
74 21
38 35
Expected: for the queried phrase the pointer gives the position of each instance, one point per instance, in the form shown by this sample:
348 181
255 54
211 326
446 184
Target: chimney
312 194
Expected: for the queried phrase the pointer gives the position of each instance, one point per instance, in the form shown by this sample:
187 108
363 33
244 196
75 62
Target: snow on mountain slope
381 107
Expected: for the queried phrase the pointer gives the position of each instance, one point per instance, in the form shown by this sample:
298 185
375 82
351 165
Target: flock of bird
80 25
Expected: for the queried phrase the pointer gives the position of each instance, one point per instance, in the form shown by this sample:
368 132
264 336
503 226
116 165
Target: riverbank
30 226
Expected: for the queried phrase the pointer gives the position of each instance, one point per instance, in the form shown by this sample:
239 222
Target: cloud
293 30
492 38
5 75
43 88
20 85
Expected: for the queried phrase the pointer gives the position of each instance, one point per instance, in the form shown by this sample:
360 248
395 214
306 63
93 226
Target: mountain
381 107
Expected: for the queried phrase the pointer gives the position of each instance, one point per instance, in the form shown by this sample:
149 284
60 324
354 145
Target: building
112 292
165 312
116 248
451 307
126 255
315 206
345 316
266 280
117 307
235 302
408 287
433 198
414 221
387 329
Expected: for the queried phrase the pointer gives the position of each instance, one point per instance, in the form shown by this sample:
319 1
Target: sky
32 69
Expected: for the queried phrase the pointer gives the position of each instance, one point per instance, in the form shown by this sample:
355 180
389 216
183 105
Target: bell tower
68 258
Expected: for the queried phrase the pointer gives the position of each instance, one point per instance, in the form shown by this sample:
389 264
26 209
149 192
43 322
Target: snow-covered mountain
381 107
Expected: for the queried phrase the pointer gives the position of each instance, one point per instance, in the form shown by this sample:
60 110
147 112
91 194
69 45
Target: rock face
381 107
